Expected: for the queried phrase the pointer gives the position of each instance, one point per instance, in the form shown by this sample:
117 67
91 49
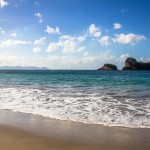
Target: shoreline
73 121
46 133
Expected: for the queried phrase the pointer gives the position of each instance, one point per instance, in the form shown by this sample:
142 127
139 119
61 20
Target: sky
73 34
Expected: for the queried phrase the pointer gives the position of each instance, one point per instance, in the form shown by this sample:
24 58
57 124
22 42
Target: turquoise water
112 98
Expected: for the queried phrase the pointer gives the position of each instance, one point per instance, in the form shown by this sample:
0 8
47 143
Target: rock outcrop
108 67
133 64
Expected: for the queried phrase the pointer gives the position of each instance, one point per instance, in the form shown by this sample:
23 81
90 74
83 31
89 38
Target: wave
80 105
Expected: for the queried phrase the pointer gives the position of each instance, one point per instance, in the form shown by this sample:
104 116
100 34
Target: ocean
110 98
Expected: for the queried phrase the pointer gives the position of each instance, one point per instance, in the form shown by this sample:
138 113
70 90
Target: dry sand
20 131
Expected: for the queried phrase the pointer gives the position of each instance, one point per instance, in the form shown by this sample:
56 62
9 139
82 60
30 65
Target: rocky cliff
133 64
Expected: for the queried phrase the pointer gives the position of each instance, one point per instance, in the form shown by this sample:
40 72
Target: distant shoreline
22 68
71 70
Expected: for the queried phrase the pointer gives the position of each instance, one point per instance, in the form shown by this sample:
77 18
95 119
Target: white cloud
104 41
146 60
2 31
67 43
128 38
70 43
54 46
123 57
104 56
117 26
7 59
94 31
73 38
10 42
36 49
120 60
41 41
81 38
85 54
39 17
3 3
53 58
86 61
67 61
13 34
80 49
51 30
69 46
55 61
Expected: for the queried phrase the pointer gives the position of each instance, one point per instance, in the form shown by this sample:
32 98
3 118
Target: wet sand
20 131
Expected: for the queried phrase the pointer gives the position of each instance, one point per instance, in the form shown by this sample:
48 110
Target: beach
74 75
85 110
21 131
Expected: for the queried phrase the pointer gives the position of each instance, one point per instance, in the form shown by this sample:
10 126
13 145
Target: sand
19 131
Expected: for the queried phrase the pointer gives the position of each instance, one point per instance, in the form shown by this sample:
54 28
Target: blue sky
73 34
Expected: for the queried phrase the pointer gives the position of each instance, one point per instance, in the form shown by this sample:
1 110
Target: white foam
77 105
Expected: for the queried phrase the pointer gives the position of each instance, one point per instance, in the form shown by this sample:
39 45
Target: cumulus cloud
81 38
67 62
3 3
94 31
85 61
85 54
51 30
10 42
146 60
7 59
36 49
13 34
80 49
104 41
70 43
54 46
128 38
41 41
2 31
39 17
123 57
67 43
104 56
117 26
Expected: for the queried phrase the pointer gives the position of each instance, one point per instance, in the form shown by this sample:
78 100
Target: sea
110 98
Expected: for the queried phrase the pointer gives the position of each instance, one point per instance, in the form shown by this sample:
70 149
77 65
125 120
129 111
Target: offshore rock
108 67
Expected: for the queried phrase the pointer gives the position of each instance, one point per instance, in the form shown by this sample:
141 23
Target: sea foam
91 106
